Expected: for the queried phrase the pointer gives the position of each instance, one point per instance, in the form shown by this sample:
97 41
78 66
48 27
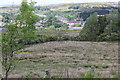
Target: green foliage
42 8
69 16
31 75
9 46
51 27
7 17
103 37
88 74
113 25
101 28
102 21
26 20
48 38
53 21
111 31
23 29
91 28
57 77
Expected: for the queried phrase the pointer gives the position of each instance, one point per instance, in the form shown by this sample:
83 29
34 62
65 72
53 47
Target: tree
109 27
9 46
112 31
91 28
113 19
102 21
26 20
53 21
22 29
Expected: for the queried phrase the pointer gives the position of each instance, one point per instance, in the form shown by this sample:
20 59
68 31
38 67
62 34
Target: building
72 23
81 23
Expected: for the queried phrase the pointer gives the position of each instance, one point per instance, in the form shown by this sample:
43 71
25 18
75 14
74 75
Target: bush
108 37
103 37
88 75
44 38
114 37
31 75
63 38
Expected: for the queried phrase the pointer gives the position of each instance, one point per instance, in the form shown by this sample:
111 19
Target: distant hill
96 4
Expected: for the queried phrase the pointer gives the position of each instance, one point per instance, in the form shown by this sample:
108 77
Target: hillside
76 57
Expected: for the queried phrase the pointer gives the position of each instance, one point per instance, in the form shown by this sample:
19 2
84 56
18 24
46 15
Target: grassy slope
77 57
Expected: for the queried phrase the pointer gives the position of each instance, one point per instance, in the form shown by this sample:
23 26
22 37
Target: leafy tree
91 28
7 17
53 21
9 46
113 19
112 30
26 20
22 29
102 21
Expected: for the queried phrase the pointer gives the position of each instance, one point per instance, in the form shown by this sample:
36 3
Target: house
75 28
40 23
72 23
81 23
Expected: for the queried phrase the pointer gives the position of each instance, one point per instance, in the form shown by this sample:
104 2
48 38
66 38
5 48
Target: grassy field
63 58
67 57
55 32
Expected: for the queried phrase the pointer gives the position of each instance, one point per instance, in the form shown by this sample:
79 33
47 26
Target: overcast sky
46 2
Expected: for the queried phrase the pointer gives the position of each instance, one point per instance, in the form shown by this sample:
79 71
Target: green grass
66 55
88 74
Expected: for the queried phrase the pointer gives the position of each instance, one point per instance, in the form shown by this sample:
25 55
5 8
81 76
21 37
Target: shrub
88 75
114 37
108 37
102 37
31 75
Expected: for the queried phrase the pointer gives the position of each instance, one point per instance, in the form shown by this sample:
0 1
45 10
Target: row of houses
40 23
79 23
70 24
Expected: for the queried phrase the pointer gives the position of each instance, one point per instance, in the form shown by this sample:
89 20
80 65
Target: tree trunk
6 75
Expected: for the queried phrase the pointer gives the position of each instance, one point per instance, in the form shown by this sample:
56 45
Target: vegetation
25 21
9 46
25 31
101 28
91 29
42 8
7 17
29 50
53 21
77 57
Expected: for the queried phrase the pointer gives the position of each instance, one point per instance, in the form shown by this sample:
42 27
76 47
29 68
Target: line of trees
102 28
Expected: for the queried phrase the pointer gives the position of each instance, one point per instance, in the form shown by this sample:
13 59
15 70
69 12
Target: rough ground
67 57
